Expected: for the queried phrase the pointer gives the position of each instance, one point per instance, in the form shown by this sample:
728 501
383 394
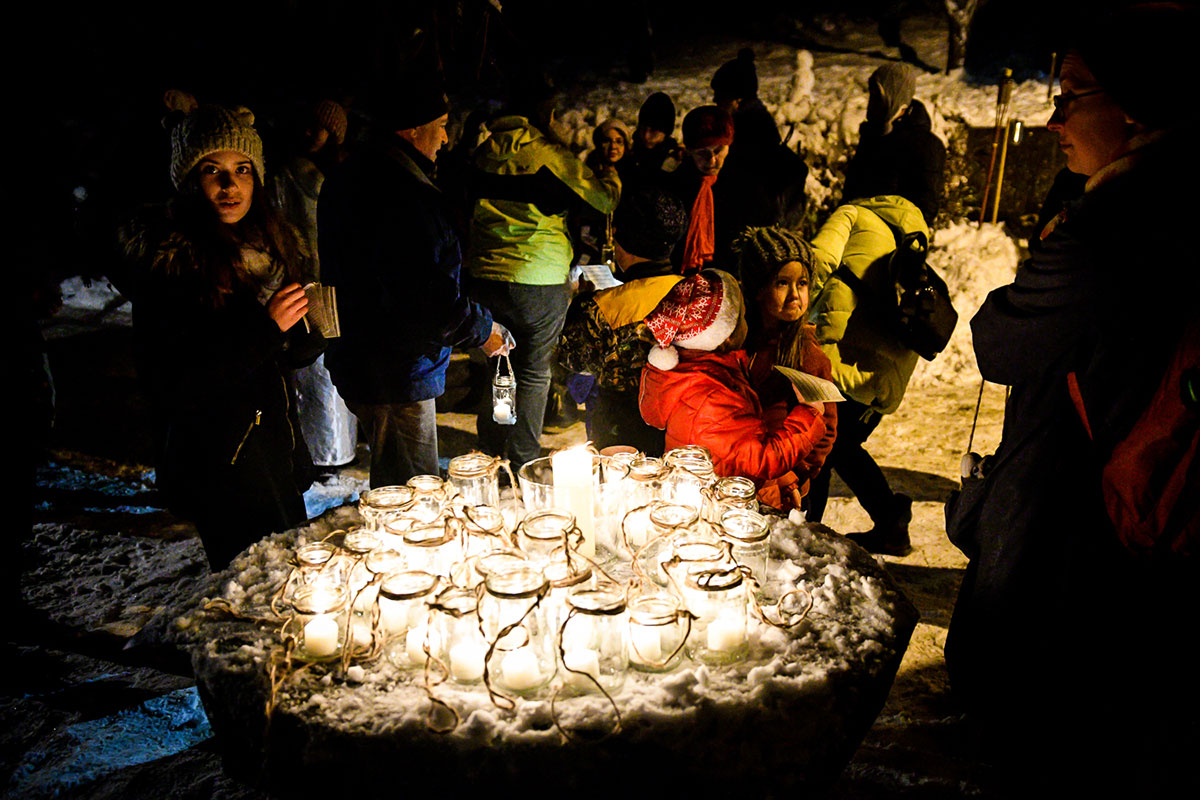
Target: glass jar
455 623
545 535
484 530
495 561
428 498
376 506
434 549
312 563
513 617
473 476
673 519
717 598
609 503
748 533
658 629
735 492
319 621
504 397
592 640
689 478
356 546
564 577
404 616
686 555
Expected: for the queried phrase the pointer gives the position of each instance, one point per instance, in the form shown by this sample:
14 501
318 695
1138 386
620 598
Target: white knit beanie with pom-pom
699 313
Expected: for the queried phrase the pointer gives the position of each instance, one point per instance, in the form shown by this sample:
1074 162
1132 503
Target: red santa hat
699 313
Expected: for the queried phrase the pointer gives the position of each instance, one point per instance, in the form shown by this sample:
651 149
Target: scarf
700 243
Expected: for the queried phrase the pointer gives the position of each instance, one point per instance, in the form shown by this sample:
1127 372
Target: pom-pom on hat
699 313
658 113
707 126
211 129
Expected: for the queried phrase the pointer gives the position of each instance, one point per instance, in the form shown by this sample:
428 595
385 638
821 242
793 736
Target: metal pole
1000 176
1003 94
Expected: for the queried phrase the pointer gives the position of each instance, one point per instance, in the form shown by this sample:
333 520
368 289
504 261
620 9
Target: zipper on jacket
249 430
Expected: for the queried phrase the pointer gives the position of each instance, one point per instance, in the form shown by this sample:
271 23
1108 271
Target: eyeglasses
1063 101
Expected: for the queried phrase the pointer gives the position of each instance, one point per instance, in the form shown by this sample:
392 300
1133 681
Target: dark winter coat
229 455
707 400
387 243
909 162
1053 618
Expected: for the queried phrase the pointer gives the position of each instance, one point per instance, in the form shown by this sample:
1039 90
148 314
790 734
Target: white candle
585 661
414 643
573 491
362 633
646 641
466 661
502 412
726 633
520 669
321 636
392 617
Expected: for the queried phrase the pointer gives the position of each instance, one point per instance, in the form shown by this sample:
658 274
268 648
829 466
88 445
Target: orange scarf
701 241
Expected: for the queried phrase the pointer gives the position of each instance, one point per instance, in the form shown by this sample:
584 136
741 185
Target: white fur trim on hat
665 358
724 319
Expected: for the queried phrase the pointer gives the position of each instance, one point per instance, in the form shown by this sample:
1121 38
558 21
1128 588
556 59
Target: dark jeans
534 315
616 419
854 465
402 437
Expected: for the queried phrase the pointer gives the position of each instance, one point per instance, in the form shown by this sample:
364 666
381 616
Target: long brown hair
216 248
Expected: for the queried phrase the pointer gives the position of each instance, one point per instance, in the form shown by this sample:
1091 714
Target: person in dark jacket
654 142
216 329
1068 652
897 153
387 243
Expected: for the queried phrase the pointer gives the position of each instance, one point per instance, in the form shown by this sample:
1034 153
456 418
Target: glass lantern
404 616
748 533
312 563
434 549
376 506
545 535
484 530
454 621
564 577
684 555
513 617
592 639
319 621
495 561
474 477
717 598
428 498
504 395
735 492
658 628
689 478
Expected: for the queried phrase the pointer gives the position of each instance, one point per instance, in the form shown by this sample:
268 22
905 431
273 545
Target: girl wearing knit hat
216 332
696 385
776 270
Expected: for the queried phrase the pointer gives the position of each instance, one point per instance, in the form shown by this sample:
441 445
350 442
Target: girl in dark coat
216 329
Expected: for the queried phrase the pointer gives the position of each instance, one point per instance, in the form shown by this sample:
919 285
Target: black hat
409 102
649 222
658 113
736 79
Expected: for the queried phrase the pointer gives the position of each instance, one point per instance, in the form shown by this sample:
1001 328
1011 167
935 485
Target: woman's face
1092 129
227 180
612 145
785 297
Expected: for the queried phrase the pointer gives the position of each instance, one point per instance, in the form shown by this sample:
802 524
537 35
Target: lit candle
321 636
392 617
414 643
362 633
585 661
520 669
502 412
726 633
466 661
573 491
646 643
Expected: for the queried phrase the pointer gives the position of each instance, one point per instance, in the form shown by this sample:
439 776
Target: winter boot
889 537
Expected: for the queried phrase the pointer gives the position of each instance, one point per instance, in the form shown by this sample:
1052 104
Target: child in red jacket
696 385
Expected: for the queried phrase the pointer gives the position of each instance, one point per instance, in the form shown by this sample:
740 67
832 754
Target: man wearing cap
386 242
707 135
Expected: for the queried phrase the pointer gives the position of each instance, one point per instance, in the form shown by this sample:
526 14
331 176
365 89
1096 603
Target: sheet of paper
600 276
812 388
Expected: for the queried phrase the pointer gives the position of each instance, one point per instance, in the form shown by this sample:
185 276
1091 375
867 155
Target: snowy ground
104 558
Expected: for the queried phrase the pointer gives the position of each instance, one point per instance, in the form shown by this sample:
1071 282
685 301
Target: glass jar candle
375 506
735 492
592 641
484 529
748 534
434 549
404 616
657 631
495 561
545 535
673 519
319 621
717 597
609 503
689 477
564 577
312 563
356 546
513 617
473 476
428 498
686 555
455 623
504 398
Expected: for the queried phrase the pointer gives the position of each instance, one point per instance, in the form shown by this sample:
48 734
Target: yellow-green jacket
870 365
524 183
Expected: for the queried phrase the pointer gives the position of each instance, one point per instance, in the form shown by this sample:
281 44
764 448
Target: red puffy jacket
707 400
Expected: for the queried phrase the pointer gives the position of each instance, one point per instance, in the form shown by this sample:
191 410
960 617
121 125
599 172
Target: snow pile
89 304
782 711
973 261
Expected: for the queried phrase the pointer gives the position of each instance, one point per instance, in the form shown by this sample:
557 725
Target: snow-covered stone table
788 718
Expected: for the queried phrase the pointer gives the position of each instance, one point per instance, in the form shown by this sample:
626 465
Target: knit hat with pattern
699 313
332 117
211 129
658 113
762 251
707 126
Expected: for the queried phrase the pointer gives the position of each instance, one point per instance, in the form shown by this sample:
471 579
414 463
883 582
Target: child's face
785 298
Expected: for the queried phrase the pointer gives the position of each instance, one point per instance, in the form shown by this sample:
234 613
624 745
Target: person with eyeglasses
1066 649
